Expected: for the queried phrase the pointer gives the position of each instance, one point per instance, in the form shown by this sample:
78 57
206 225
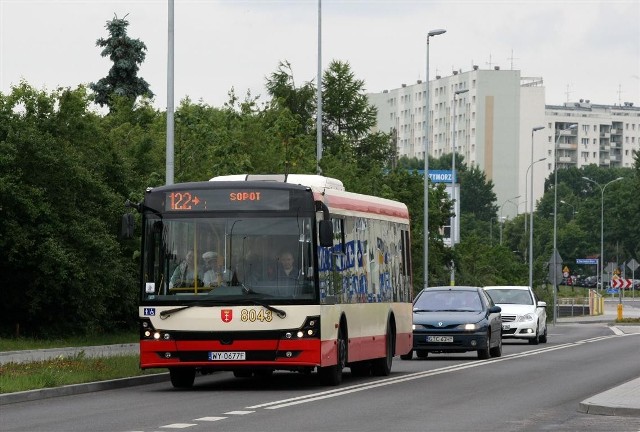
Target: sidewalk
623 400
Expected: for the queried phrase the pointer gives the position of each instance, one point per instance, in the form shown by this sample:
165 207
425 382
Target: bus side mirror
126 229
326 233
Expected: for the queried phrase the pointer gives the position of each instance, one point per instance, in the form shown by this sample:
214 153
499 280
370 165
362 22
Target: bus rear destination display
226 199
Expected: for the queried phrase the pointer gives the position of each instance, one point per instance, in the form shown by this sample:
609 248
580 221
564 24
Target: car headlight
527 317
469 327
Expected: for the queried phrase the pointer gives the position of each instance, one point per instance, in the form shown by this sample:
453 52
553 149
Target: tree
126 54
64 271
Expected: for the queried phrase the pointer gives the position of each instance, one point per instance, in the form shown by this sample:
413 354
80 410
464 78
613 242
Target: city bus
261 273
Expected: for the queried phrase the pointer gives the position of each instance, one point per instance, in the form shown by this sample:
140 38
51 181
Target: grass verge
19 344
16 377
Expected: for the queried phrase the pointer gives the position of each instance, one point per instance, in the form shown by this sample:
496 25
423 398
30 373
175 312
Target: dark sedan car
453 319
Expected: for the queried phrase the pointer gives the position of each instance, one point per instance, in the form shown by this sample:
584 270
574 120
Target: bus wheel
332 375
382 366
182 377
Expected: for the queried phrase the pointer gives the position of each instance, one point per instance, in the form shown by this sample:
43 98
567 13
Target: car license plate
439 338
227 355
506 326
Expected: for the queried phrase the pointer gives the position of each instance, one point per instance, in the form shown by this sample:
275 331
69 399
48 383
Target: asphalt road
529 388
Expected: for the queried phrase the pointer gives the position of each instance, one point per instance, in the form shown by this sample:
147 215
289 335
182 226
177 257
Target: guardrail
581 306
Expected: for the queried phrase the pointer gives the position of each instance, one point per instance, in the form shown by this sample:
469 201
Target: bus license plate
227 355
439 338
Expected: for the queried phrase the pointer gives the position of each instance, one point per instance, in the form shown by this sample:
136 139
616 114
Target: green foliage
126 54
63 266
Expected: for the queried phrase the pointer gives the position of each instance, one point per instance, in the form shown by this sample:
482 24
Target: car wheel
497 350
536 339
543 336
483 353
407 356
422 354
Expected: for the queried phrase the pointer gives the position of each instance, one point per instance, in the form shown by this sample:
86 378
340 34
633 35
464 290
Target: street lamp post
555 218
501 220
602 188
526 184
533 131
426 165
452 231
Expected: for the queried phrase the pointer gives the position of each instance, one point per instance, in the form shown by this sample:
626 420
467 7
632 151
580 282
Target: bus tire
182 377
382 366
332 375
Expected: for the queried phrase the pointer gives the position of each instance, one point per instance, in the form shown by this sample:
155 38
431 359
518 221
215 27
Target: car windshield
510 296
224 258
439 301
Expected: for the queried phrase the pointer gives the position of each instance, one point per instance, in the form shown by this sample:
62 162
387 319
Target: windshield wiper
167 313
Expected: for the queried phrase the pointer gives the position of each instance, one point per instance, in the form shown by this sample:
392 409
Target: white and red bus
261 273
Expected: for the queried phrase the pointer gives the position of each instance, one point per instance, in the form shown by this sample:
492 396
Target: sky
583 49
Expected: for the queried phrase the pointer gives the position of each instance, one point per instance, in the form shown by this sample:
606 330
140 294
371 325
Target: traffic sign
621 283
555 274
587 261
633 264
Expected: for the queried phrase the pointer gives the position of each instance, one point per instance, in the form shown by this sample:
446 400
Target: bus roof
332 192
315 182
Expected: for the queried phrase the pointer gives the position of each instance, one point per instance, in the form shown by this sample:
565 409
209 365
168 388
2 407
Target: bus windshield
222 258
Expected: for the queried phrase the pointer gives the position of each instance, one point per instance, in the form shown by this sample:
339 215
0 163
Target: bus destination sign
226 199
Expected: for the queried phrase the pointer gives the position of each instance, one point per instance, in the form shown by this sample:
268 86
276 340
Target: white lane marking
211 419
616 330
179 425
239 412
417 375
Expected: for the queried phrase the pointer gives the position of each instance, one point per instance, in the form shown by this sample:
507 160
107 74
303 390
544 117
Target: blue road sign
587 261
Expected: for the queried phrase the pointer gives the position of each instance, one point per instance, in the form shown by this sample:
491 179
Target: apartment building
606 135
503 127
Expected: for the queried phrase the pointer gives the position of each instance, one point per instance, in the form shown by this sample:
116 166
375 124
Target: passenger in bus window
210 269
184 274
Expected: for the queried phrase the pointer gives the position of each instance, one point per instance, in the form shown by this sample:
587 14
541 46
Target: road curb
598 409
75 389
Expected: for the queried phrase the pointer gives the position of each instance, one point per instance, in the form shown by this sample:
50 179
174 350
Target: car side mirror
495 309
542 304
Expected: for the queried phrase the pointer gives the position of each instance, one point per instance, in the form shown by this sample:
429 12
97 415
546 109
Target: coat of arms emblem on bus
226 315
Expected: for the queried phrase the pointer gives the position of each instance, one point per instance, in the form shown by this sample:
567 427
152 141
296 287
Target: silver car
523 315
